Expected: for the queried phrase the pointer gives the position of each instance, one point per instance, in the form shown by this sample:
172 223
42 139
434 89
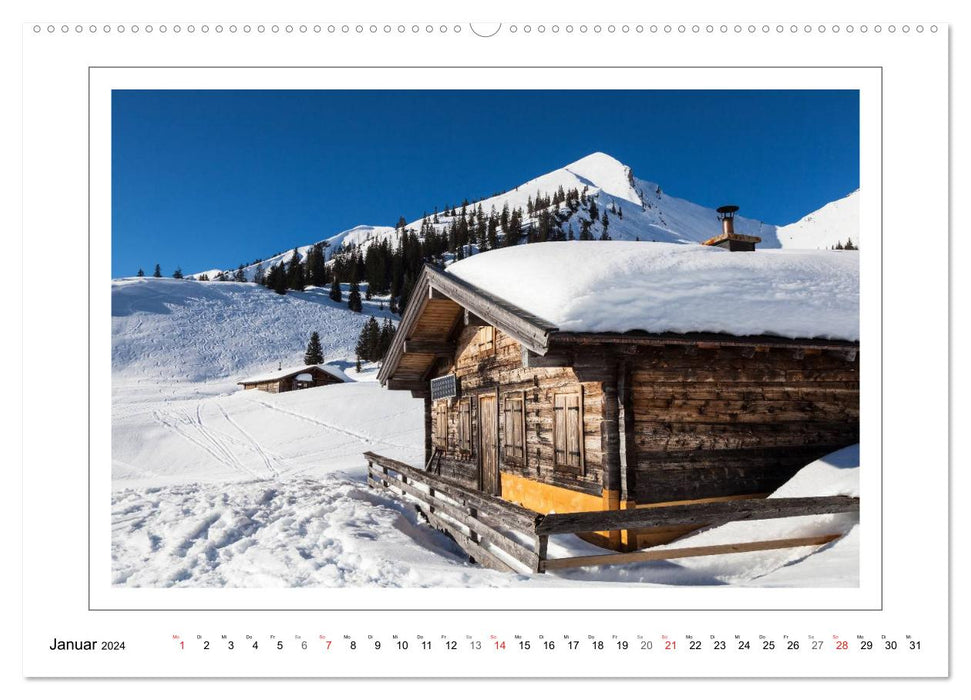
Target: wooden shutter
568 432
465 426
441 426
513 429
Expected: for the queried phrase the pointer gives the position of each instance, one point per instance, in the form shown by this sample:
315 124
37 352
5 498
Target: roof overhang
634 338
439 305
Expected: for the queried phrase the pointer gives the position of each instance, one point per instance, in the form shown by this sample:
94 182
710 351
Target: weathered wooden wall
487 359
721 422
661 423
325 378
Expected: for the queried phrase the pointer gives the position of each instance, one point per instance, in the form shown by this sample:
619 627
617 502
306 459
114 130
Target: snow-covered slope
637 209
619 286
834 223
167 331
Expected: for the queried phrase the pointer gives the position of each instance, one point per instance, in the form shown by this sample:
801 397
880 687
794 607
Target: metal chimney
727 215
728 239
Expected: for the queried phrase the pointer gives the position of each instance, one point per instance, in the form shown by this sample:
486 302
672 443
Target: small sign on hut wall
445 387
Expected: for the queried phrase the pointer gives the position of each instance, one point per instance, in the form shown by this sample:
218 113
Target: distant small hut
295 378
583 376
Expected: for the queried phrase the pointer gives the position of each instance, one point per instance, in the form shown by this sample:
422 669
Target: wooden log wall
487 359
727 421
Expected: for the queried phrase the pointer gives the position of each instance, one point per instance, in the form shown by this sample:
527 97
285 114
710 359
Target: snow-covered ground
215 486
257 489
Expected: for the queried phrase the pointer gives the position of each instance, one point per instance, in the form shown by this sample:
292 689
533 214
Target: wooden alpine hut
582 376
294 378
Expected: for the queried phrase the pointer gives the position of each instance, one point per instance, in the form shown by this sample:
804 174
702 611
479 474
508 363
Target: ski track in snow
267 458
368 440
207 442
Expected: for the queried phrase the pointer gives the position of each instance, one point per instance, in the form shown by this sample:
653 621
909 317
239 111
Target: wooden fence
495 532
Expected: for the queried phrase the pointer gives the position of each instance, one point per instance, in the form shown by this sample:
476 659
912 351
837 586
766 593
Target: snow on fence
492 530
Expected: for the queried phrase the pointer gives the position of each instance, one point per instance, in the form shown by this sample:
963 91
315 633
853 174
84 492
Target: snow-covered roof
620 286
285 372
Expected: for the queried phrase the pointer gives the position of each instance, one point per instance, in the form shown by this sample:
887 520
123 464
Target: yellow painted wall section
546 498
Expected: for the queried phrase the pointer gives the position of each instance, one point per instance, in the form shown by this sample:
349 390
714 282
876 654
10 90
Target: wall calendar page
414 343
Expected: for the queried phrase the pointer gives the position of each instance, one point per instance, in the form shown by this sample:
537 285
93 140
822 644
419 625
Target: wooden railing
493 531
483 525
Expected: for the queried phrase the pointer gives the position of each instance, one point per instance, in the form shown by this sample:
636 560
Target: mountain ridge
635 209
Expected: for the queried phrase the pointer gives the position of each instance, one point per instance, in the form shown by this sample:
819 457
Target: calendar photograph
485 338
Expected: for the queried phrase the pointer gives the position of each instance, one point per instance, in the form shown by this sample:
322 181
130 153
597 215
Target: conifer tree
606 223
387 335
354 298
279 279
295 274
514 230
585 234
492 232
314 354
141 272
202 278
335 290
177 275
158 271
369 341
406 289
240 274
258 273
316 266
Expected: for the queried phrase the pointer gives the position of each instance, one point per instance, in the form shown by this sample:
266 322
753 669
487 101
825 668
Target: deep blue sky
204 179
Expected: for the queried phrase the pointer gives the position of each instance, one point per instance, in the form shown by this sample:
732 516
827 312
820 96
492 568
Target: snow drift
617 286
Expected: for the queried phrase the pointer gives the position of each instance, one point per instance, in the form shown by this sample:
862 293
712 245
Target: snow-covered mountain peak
606 201
607 174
